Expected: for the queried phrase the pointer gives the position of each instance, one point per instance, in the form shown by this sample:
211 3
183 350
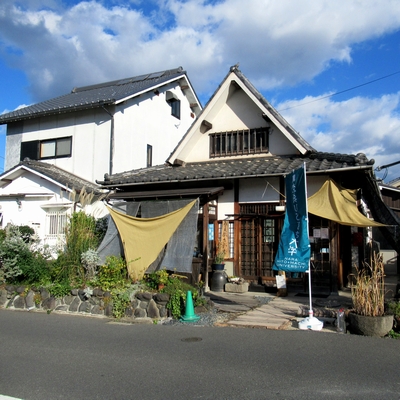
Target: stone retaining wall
95 302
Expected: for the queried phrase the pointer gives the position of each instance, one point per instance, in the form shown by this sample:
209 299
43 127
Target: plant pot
370 326
218 267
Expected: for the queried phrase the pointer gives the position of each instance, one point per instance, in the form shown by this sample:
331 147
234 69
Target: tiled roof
59 175
93 96
237 168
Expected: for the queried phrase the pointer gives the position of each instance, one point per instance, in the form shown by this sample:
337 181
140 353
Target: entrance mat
318 295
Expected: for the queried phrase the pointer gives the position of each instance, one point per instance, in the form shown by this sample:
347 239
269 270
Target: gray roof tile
59 175
93 96
236 167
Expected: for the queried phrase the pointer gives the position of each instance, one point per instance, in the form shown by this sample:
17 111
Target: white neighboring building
106 128
71 141
42 196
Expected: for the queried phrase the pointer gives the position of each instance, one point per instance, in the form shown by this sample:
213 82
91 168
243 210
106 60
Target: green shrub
26 233
393 307
90 260
101 226
15 255
113 273
59 289
120 302
154 279
21 259
79 237
177 289
3 235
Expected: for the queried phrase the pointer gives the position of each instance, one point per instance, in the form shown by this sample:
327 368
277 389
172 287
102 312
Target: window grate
239 142
56 222
257 209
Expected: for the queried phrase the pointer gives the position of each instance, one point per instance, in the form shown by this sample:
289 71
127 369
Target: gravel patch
211 318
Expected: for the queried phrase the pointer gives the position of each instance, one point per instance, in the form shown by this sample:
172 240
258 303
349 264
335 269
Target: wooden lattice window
239 142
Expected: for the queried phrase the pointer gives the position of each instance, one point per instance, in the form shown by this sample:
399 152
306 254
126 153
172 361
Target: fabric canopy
338 204
144 238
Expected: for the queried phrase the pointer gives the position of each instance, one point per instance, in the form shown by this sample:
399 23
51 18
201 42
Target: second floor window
149 157
240 142
175 108
44 149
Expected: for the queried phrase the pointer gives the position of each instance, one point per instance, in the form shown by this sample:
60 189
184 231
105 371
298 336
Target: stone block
29 300
237 288
152 310
69 299
144 296
144 304
19 302
49 303
140 313
161 298
74 305
20 289
97 310
3 297
44 293
62 307
85 307
108 310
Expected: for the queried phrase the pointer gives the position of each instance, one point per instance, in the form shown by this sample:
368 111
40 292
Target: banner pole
310 322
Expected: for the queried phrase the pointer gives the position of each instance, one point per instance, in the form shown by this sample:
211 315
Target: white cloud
358 125
276 43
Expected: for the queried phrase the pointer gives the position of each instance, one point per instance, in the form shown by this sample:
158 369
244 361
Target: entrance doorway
258 248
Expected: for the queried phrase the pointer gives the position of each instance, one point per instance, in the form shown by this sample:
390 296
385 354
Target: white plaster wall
30 212
225 205
259 190
90 131
148 120
314 183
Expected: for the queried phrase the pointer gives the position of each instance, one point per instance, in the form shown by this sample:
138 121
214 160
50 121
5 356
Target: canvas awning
144 238
338 204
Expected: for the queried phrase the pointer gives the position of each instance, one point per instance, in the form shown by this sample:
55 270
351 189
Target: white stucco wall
31 209
139 121
259 190
90 131
148 120
225 205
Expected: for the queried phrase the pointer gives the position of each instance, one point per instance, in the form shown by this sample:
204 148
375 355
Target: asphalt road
52 356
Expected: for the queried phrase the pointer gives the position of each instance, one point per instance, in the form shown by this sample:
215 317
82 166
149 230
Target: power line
342 91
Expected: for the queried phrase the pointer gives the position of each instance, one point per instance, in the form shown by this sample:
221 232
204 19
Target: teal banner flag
294 247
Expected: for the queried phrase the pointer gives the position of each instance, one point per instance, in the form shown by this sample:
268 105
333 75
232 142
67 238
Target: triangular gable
224 113
55 175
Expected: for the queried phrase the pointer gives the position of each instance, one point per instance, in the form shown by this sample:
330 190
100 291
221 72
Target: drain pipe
110 169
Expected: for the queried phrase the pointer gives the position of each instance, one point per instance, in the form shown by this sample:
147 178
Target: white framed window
44 149
56 222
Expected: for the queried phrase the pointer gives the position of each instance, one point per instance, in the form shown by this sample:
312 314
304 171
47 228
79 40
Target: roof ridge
125 81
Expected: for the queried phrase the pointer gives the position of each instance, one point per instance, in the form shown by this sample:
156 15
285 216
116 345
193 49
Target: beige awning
144 238
338 204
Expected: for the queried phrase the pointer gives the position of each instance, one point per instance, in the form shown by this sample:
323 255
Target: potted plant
162 278
368 295
218 264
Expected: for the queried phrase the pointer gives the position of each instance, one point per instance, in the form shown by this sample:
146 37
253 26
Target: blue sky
296 53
